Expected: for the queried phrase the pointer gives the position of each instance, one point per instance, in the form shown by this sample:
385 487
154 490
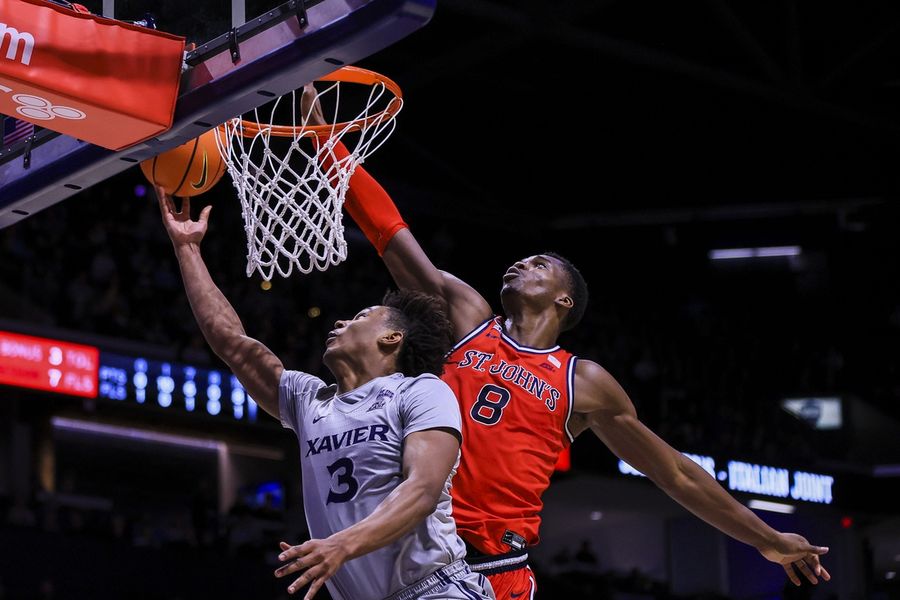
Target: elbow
223 350
223 341
228 352
212 328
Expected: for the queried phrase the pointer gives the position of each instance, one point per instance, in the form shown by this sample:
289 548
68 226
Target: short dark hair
427 332
578 289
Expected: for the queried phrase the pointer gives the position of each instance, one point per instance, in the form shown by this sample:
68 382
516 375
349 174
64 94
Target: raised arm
375 213
255 366
428 457
412 269
603 406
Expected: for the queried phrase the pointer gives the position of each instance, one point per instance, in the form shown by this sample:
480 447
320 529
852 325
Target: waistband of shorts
441 577
491 564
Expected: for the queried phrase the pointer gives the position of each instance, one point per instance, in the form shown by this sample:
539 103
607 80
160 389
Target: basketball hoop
292 196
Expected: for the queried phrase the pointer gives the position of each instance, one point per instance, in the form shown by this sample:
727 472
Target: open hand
792 551
318 559
179 226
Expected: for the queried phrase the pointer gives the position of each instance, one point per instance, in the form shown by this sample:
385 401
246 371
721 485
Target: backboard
280 47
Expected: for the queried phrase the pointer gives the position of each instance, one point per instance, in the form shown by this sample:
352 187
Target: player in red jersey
522 395
523 399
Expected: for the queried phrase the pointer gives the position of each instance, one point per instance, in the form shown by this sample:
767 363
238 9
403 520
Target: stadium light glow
141 435
886 471
761 252
787 509
778 251
731 253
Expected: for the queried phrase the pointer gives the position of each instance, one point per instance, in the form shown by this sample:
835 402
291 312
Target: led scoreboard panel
763 480
79 370
173 386
49 365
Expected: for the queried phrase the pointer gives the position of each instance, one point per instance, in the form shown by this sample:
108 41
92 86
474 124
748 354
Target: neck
536 329
351 374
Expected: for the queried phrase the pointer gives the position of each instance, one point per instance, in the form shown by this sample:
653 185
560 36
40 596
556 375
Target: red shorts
514 585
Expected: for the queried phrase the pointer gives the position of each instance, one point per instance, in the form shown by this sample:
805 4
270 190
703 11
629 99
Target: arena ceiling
645 110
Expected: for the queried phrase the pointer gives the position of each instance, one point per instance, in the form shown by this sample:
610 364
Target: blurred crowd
71 544
706 355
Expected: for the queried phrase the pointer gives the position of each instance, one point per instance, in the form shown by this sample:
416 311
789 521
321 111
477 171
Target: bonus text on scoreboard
49 365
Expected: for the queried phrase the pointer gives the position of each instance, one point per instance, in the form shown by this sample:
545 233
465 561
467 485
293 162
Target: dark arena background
725 175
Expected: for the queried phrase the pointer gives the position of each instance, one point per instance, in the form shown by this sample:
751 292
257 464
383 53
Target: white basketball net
291 202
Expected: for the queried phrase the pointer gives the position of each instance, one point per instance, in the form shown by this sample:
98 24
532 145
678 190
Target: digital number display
49 365
174 386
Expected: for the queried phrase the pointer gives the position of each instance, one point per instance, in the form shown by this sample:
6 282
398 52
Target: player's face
535 276
358 336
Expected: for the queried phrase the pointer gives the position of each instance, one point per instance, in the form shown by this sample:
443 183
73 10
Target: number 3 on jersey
488 408
343 467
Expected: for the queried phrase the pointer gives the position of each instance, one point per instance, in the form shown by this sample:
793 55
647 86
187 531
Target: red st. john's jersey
515 403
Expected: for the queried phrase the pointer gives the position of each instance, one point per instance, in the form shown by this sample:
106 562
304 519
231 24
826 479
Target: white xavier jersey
351 458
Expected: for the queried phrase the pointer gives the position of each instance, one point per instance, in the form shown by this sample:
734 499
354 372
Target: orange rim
346 74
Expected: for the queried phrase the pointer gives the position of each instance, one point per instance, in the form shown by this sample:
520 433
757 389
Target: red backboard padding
95 79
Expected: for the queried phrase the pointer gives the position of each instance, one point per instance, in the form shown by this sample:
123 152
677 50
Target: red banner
95 79
44 364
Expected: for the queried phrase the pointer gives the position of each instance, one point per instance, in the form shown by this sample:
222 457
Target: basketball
189 169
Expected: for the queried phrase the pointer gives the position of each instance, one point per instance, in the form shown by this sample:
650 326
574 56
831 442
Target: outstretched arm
413 270
603 406
428 457
255 366
375 213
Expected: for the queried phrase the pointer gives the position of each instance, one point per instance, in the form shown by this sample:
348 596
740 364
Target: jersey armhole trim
570 392
468 337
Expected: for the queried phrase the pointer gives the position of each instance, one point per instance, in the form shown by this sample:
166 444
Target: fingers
293 567
807 572
169 214
300 582
813 561
816 550
810 568
165 202
817 568
815 564
291 552
160 192
316 584
311 107
315 576
789 569
305 557
295 554
204 215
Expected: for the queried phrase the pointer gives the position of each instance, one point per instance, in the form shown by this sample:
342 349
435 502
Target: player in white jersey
378 448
